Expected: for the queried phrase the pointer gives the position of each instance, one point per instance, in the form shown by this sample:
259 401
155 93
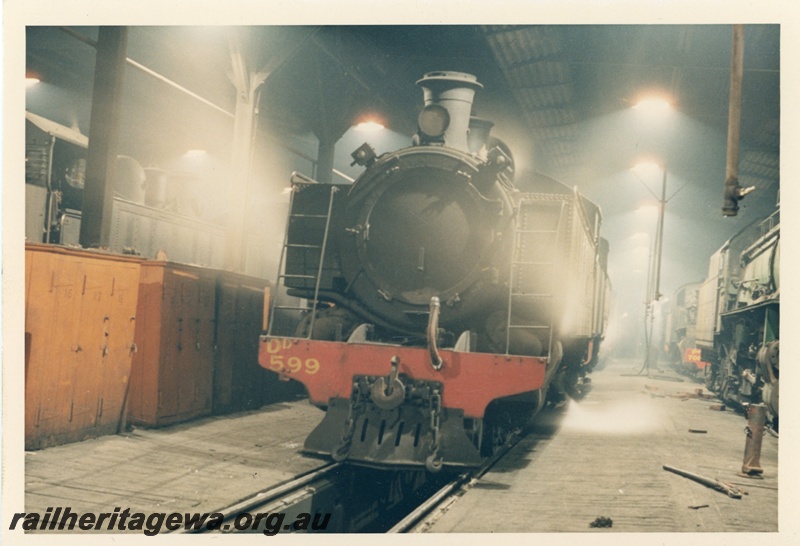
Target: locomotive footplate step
603 456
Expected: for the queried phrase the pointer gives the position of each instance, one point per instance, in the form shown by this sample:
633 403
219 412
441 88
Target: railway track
289 499
343 498
419 519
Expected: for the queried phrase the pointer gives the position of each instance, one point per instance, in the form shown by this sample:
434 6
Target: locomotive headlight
434 120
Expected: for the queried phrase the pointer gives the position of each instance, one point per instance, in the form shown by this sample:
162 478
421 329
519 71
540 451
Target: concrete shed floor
603 457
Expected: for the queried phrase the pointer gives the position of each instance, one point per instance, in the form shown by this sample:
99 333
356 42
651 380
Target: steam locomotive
679 332
153 211
444 306
738 317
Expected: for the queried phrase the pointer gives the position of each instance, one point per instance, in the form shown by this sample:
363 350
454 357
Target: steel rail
461 483
269 495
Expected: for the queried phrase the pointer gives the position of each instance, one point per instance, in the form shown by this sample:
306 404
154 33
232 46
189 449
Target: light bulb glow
369 126
653 105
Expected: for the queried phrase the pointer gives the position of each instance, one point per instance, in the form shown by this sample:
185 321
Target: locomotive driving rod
731 490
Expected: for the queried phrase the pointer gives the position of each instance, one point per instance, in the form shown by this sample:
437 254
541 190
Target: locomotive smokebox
448 100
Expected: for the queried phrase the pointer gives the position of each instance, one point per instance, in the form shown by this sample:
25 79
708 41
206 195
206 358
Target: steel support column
98 192
247 85
325 155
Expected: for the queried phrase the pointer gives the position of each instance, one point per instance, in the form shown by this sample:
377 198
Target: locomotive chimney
448 103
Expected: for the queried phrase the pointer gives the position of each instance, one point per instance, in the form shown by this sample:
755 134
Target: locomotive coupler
388 393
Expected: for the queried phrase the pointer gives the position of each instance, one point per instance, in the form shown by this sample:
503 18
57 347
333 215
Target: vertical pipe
656 294
732 190
660 235
654 276
51 197
244 128
98 191
240 167
651 254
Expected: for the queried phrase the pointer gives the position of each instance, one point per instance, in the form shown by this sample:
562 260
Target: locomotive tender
444 306
738 317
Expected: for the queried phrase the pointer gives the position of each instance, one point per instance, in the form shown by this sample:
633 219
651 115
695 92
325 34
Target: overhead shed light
647 210
369 126
647 167
653 106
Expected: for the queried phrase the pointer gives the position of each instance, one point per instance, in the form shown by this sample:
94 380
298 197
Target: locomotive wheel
770 396
496 431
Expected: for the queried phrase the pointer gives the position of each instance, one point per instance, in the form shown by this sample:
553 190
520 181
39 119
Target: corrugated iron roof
560 76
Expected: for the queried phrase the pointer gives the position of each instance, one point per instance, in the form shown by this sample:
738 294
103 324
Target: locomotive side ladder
533 270
321 248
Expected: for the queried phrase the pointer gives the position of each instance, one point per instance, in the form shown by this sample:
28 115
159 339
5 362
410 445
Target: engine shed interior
454 239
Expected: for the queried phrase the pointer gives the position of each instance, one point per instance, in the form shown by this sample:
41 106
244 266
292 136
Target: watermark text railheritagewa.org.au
64 519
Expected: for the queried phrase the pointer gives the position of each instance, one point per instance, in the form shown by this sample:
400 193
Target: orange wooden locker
80 309
172 375
240 383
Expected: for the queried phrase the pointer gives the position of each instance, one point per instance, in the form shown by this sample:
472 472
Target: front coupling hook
389 392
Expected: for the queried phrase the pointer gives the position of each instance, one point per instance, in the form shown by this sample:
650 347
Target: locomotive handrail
517 234
585 218
763 242
300 178
282 261
314 305
769 223
432 332
297 180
